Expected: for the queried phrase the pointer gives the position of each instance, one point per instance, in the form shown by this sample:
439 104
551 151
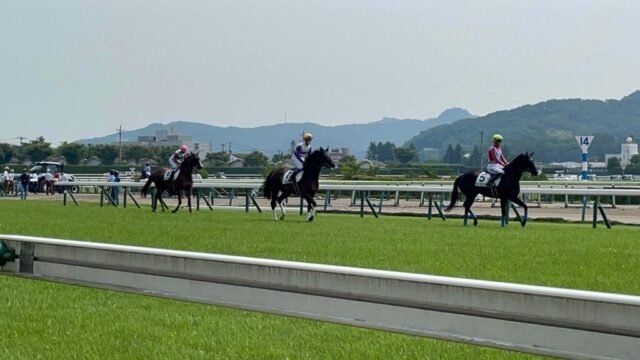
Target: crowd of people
14 185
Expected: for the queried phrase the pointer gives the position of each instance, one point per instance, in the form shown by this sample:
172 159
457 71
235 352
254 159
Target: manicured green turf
40 319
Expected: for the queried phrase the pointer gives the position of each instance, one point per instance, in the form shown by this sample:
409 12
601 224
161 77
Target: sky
77 69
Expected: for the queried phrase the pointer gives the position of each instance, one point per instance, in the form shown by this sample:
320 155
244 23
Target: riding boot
492 179
295 173
296 190
491 184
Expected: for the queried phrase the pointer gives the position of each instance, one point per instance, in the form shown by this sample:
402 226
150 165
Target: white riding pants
495 168
297 163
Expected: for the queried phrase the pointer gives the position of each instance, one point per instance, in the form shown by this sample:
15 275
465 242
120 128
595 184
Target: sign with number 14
584 142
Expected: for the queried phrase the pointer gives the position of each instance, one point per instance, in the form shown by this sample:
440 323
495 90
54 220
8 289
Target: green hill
548 128
277 137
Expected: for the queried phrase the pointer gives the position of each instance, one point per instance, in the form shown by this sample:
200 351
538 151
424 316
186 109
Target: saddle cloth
483 179
167 175
286 178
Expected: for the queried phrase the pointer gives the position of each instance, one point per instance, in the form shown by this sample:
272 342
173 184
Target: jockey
496 160
176 159
301 152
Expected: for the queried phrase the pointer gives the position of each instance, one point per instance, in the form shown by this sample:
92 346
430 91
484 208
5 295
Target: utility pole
223 147
21 138
229 152
119 130
481 148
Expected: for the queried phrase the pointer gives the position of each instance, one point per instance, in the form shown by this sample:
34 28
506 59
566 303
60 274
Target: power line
21 138
119 130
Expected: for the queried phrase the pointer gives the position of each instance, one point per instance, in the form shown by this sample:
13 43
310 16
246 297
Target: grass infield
53 321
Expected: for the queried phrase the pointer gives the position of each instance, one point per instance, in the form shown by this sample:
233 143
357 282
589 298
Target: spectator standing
12 183
25 179
48 182
115 190
5 180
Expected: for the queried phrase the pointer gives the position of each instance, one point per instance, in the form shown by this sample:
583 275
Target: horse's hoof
475 222
311 218
282 217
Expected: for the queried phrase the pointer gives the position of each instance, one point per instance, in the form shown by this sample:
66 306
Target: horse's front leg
189 199
179 201
311 209
521 203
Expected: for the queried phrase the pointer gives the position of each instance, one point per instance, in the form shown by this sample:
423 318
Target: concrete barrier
541 320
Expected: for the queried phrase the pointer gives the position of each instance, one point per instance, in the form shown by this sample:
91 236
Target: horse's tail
146 186
268 188
454 194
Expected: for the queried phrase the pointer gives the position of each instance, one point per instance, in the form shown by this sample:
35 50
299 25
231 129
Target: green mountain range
274 138
547 128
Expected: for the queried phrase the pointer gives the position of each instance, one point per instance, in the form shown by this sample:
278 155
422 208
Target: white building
627 151
172 138
338 154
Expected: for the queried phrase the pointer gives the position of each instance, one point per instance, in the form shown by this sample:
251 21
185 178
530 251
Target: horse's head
524 162
320 158
191 161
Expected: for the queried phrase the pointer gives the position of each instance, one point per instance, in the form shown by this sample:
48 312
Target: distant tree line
614 166
388 152
108 154
77 154
457 155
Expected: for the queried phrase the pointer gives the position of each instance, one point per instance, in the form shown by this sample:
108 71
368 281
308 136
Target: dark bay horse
275 190
507 189
183 182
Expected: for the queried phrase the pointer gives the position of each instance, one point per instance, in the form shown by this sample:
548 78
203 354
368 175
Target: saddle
286 178
483 180
167 175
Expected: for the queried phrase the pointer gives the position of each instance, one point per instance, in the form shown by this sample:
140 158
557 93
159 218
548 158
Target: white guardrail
586 190
535 319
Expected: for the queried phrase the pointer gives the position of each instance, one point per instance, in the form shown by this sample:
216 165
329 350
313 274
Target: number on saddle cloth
167 175
483 179
286 178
